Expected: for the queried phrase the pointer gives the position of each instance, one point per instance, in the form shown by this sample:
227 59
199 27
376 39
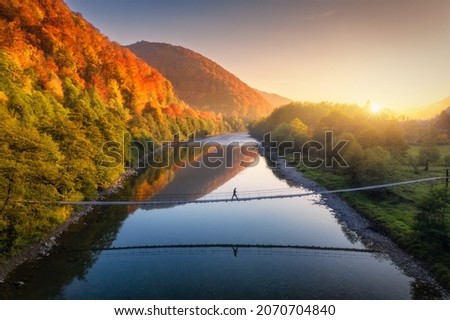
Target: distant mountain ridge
430 110
201 82
274 99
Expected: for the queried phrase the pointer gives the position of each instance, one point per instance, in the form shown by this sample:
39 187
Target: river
259 265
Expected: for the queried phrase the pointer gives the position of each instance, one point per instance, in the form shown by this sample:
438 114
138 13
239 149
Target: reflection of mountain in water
45 277
189 176
192 183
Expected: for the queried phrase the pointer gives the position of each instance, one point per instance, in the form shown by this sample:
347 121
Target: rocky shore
43 248
357 226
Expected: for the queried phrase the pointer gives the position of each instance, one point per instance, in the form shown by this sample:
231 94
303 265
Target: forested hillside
65 90
203 83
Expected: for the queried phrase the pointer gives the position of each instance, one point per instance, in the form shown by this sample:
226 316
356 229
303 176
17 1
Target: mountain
201 82
71 102
430 110
274 99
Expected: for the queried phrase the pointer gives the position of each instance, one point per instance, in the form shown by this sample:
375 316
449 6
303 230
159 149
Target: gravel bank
43 248
354 225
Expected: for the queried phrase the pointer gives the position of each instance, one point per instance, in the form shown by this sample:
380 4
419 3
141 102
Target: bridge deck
215 198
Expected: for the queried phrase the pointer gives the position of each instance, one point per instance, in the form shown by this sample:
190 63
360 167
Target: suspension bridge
234 249
243 196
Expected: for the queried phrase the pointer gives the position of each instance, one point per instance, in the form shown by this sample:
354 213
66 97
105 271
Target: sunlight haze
232 150
394 52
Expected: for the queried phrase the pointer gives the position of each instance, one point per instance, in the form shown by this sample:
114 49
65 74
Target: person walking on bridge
234 195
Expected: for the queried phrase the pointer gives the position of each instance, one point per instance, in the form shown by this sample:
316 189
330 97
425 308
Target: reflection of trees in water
46 277
190 182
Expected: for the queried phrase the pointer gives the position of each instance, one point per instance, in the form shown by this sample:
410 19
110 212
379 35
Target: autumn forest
66 90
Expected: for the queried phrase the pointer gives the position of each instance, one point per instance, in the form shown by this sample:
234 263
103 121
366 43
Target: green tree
377 167
447 160
298 132
354 155
337 121
428 154
370 137
394 140
235 122
30 169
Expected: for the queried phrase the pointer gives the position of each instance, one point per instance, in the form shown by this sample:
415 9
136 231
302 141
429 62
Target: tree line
382 148
65 90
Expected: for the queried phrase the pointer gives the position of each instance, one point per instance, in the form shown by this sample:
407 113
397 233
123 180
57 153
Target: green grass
394 214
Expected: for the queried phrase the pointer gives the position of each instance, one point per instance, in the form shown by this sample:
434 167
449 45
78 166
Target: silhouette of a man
234 195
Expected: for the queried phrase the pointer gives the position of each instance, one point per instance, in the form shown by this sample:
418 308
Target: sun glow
375 107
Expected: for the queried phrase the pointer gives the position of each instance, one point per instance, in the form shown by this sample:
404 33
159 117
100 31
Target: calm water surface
73 271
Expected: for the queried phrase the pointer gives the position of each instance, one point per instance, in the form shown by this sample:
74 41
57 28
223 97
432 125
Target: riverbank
353 223
42 249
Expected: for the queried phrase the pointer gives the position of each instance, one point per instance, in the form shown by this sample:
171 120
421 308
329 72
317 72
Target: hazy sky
393 52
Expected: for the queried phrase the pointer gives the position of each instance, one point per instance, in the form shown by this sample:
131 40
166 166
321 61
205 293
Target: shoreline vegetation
381 148
42 248
66 90
356 224
70 99
396 218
